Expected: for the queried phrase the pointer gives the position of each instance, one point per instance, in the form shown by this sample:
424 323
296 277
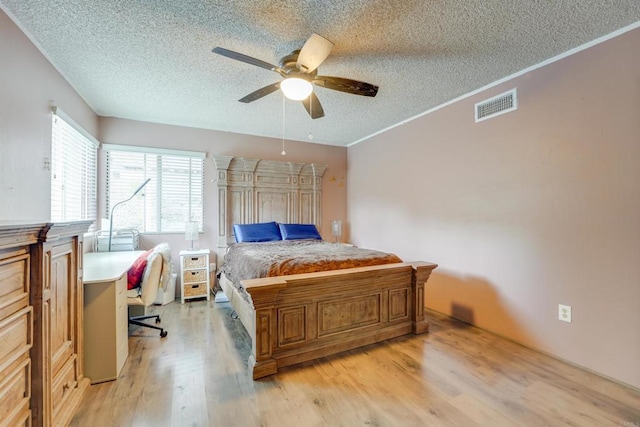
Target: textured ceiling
151 60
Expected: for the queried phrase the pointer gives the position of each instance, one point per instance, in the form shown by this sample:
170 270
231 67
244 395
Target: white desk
106 329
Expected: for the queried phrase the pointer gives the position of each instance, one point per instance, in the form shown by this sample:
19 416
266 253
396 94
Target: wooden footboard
306 316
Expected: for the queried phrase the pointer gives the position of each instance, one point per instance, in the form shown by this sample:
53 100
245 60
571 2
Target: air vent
497 105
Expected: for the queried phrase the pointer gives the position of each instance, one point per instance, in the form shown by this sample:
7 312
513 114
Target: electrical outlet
564 313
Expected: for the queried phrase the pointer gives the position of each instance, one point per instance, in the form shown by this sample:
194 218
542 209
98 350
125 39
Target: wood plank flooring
455 375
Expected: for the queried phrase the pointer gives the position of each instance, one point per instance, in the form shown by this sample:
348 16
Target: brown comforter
285 257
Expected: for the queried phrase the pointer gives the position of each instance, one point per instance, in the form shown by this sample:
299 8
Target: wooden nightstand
194 273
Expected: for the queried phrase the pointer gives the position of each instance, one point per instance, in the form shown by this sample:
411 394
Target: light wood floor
455 375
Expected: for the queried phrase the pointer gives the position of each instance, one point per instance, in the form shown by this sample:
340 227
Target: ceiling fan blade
346 85
313 106
313 53
244 58
260 93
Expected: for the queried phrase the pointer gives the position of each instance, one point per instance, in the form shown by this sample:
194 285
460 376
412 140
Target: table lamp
336 229
191 230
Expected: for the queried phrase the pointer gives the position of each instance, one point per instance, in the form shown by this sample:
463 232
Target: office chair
148 292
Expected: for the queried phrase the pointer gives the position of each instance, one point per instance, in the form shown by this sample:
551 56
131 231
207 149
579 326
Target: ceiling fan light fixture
296 88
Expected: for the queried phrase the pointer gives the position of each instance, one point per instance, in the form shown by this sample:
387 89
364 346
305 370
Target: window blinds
174 195
73 171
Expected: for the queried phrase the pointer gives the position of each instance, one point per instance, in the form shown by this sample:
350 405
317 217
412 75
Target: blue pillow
299 231
261 232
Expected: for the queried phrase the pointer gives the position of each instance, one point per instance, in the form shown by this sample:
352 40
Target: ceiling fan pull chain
311 114
315 202
284 153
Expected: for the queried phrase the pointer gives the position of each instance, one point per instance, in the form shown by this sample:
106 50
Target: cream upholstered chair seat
146 294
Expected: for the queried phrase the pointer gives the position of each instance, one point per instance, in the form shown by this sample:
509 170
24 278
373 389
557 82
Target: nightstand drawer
194 276
195 290
195 261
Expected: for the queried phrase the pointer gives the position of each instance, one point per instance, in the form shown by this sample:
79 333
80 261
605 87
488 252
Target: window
74 154
173 196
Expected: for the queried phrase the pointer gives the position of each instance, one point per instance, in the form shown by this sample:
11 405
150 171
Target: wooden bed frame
296 318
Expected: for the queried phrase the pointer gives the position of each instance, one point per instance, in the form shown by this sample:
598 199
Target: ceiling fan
299 70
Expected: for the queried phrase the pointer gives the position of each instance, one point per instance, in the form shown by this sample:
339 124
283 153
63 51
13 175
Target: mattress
286 257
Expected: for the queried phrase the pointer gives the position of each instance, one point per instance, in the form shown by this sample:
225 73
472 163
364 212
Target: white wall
522 212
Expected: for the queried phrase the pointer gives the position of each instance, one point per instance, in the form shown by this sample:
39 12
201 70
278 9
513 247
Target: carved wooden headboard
253 190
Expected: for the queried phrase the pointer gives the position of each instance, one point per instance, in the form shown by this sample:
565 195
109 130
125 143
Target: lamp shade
296 88
336 228
191 230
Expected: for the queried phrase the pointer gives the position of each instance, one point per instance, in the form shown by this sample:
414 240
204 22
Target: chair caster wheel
157 320
163 334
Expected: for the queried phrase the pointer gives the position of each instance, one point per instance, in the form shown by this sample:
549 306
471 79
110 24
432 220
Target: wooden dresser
41 369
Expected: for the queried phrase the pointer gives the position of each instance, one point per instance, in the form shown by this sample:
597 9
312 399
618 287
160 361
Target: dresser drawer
64 383
122 350
121 301
15 389
121 289
22 418
199 261
16 335
194 276
14 284
122 325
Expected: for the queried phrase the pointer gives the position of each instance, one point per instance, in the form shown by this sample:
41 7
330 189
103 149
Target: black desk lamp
119 203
